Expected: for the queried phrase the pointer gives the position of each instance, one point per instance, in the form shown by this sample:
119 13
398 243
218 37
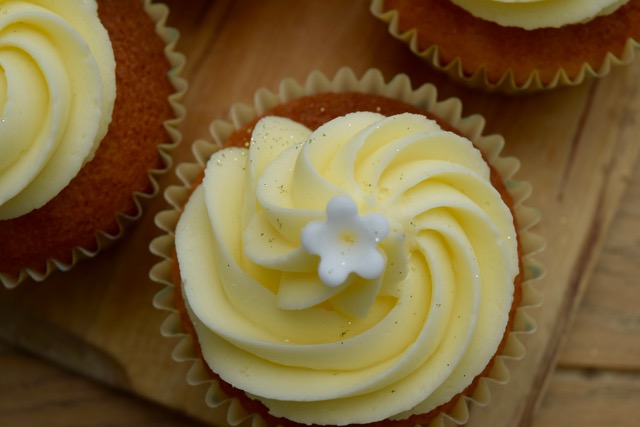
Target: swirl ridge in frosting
312 353
57 90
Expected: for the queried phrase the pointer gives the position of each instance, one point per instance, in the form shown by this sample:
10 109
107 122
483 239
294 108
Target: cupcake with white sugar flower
350 252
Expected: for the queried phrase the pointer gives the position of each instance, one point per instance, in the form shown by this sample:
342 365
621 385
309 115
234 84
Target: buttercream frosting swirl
57 90
532 14
368 349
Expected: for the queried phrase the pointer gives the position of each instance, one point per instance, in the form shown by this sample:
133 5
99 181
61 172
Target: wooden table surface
588 371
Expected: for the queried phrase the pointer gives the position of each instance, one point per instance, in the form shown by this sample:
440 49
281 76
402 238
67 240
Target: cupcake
350 252
88 97
517 46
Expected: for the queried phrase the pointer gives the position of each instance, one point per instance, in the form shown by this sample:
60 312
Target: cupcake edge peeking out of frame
516 46
90 95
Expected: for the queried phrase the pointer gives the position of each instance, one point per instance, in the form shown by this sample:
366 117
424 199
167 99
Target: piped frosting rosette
57 89
532 14
344 266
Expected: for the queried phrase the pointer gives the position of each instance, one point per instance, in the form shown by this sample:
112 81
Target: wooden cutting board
578 147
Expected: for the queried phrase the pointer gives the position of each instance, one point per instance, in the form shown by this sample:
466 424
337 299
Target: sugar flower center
346 242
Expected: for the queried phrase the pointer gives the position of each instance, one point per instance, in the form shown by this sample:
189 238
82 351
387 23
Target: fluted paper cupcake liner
158 13
507 83
230 411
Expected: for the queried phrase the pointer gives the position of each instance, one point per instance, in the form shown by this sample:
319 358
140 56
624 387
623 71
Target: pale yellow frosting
57 90
532 14
401 342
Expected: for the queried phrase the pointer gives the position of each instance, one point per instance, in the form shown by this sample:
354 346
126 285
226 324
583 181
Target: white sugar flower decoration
346 242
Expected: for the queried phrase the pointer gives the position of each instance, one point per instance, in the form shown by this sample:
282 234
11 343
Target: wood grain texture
590 399
44 395
606 332
578 147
